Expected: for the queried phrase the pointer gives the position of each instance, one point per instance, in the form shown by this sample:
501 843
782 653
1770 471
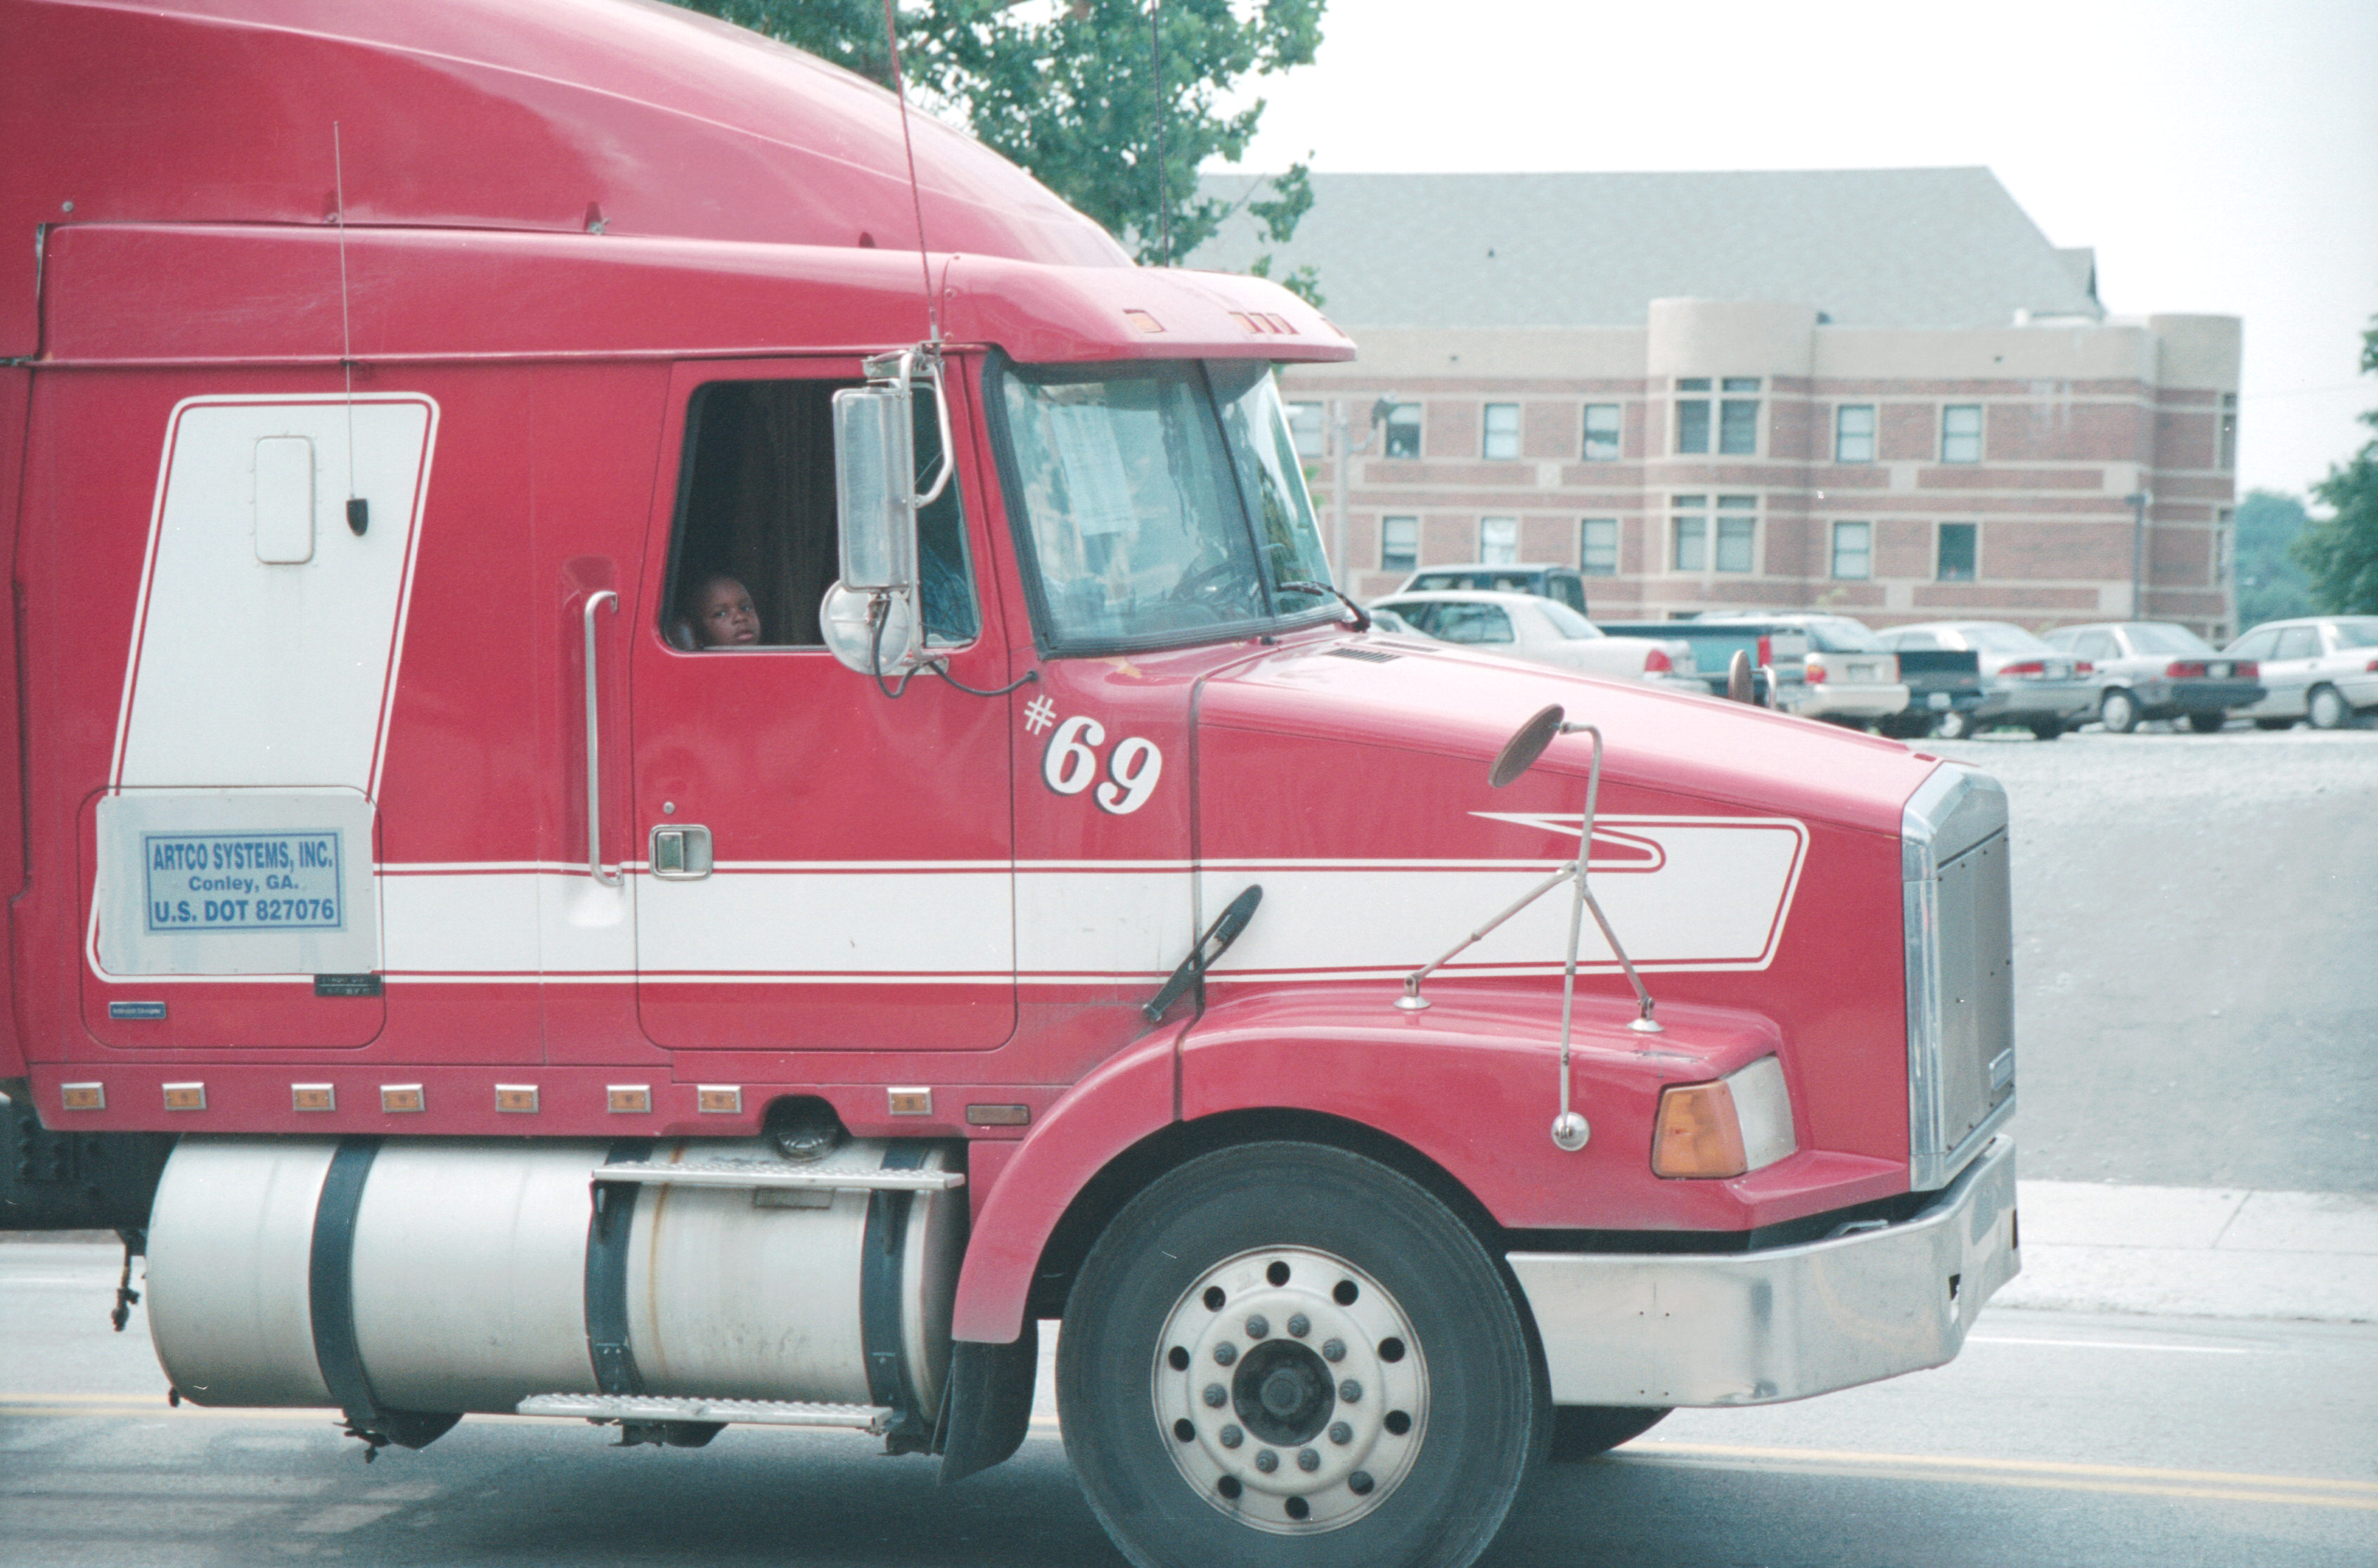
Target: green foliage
2270 585
1111 109
2341 553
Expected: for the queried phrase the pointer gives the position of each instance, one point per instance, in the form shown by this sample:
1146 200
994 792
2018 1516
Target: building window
1957 551
1688 529
1403 430
1853 433
1852 550
1601 432
1597 547
1498 540
1960 433
1399 544
1738 418
1502 431
1305 423
1737 532
1692 415
2227 458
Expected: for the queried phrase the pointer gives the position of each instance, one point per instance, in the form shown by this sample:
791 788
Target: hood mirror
1520 752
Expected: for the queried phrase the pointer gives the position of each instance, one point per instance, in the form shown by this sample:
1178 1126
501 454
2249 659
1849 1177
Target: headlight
1741 1123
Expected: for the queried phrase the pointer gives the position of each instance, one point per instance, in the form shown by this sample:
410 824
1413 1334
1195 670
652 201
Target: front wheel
1954 724
2048 731
2207 724
2118 712
1286 1354
2327 709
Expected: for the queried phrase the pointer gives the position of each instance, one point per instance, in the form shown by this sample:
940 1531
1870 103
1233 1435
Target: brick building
1882 391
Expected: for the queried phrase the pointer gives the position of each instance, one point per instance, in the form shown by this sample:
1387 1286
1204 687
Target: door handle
681 853
594 748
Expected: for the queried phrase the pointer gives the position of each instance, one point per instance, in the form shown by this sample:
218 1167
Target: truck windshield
1160 503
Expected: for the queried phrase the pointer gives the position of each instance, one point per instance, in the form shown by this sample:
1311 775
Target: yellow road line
2049 1466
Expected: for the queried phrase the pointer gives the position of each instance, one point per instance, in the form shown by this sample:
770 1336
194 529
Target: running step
719 1174
751 1412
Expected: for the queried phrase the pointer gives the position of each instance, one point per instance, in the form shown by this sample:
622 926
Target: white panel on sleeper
256 665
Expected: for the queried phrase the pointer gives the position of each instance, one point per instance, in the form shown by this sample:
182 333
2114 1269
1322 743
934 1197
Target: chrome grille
1959 937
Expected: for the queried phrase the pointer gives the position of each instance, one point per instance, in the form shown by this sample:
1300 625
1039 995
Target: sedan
2157 670
1546 632
2320 668
1847 676
2025 682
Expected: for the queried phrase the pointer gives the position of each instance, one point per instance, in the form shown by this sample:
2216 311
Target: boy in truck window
722 614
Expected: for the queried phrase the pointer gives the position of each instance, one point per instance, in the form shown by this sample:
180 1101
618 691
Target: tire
1581 1432
2118 711
2327 709
2275 724
2049 731
2207 724
1954 724
1450 1409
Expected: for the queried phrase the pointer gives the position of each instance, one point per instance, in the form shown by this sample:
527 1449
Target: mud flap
986 1402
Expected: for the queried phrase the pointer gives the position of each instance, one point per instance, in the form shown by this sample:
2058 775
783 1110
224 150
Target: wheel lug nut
1360 1483
1214 1395
1231 1436
1340 1433
1225 1353
1351 1392
1257 1326
1300 1326
1333 1349
1267 1461
1307 1460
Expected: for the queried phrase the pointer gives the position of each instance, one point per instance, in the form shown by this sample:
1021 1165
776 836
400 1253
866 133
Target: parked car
1774 648
1543 630
1545 580
2322 668
2025 682
1846 677
2157 670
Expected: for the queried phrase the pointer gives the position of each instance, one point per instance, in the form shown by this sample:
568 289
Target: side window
2257 645
1473 623
2097 645
756 546
2299 642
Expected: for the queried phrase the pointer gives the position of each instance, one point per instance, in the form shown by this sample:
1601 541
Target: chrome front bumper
1757 1328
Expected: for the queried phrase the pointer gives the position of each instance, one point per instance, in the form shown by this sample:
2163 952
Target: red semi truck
668 779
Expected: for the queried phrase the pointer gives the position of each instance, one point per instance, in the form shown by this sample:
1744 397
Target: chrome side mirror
874 481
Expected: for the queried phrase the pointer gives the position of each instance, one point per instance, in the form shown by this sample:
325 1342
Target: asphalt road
2196 955
2055 1438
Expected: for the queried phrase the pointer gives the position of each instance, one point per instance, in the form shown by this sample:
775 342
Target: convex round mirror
1527 744
846 621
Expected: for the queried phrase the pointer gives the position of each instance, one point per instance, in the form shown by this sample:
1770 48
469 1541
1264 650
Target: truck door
821 865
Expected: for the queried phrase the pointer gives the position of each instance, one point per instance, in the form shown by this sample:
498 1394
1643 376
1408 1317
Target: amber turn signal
1696 1132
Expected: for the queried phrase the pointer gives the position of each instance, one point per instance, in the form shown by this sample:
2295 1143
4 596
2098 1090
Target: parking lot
2196 995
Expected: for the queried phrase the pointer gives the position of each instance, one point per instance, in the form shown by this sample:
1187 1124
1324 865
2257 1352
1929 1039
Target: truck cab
676 801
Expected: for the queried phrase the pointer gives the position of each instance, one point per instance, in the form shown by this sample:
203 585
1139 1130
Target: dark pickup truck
1779 647
1944 687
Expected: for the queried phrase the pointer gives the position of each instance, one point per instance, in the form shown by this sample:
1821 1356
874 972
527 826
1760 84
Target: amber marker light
1696 1132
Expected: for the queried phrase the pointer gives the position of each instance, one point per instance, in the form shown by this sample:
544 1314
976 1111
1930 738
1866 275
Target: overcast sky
2222 158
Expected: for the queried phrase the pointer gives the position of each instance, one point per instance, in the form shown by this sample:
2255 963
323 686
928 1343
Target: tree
1113 104
2270 585
2340 553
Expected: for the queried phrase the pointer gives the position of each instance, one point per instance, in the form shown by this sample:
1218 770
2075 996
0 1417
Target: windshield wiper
1361 615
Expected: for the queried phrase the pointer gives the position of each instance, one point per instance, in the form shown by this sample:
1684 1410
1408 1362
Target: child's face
725 617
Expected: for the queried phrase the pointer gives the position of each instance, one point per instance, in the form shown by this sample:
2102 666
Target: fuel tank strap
331 1300
881 1253
607 1228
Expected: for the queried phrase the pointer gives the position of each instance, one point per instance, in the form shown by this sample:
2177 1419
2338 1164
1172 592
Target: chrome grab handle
594 748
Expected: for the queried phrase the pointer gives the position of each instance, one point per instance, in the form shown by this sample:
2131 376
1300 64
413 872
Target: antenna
916 196
1155 58
358 509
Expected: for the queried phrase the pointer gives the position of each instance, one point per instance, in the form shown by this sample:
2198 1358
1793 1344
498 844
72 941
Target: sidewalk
2198 1251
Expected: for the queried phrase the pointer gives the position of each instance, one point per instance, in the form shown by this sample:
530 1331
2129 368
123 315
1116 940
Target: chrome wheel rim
1289 1390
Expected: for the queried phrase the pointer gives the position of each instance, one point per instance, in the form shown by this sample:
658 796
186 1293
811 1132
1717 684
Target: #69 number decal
1070 765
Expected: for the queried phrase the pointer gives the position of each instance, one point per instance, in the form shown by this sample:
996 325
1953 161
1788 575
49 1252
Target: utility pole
2138 501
